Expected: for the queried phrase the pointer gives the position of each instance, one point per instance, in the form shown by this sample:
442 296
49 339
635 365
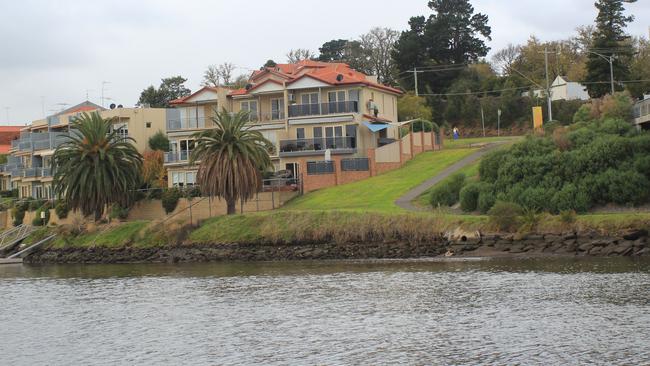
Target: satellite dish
249 86
112 106
120 106
339 77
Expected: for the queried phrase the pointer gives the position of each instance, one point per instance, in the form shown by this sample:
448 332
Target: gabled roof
85 106
331 73
186 98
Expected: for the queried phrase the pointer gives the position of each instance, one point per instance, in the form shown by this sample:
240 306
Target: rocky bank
632 243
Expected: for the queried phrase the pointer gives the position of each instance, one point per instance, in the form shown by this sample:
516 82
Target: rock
635 234
585 247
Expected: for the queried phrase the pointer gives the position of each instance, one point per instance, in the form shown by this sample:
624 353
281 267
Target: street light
609 59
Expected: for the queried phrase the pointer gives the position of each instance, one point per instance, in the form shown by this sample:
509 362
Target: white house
563 89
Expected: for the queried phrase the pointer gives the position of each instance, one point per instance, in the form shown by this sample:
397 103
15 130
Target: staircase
9 239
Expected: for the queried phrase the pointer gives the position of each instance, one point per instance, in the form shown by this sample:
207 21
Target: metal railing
177 156
191 123
642 108
31 172
318 144
318 109
46 172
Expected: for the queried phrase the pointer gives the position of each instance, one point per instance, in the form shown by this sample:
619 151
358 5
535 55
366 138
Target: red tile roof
10 128
183 99
4 149
326 72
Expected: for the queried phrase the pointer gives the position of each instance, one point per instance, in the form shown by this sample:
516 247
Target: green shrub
469 197
570 198
170 199
6 194
538 198
505 215
447 193
583 114
486 199
154 194
18 213
489 167
36 204
118 212
159 141
192 192
38 221
530 218
61 209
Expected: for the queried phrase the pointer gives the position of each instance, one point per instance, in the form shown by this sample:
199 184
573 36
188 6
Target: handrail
31 247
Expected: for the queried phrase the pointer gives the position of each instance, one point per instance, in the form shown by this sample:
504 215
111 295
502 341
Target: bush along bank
331 235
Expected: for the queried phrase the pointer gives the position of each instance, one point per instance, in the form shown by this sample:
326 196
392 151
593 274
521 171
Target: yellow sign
537 117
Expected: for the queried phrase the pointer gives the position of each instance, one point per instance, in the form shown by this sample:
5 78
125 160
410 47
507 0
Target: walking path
406 201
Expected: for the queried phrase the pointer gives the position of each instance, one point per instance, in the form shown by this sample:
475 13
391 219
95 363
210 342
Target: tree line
447 51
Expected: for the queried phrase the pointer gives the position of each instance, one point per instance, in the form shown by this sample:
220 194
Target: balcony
321 109
31 172
317 146
46 172
177 156
193 123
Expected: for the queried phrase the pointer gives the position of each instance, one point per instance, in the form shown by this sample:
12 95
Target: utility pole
483 120
499 122
415 75
548 87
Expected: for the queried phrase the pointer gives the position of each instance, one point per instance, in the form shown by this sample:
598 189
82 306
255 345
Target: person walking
456 135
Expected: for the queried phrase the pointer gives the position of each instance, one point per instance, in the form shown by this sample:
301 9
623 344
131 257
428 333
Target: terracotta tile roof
326 72
10 128
4 149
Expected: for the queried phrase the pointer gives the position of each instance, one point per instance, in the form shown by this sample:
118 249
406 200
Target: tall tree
640 69
349 52
170 88
452 35
378 45
504 59
270 63
299 54
225 72
609 39
211 76
96 167
232 157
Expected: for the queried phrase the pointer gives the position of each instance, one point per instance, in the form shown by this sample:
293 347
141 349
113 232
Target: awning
374 127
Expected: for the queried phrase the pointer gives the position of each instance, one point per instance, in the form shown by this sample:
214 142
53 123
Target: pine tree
610 39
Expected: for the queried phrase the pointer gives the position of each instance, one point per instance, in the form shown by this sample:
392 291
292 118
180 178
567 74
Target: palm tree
96 167
232 157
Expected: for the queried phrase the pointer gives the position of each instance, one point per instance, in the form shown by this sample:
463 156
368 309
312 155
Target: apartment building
28 167
321 117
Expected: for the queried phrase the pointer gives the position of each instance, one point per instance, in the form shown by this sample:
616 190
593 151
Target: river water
476 312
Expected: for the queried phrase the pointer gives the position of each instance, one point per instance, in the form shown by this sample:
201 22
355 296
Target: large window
181 149
250 106
277 109
182 179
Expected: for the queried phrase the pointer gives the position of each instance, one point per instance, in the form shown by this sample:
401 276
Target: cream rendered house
304 109
28 165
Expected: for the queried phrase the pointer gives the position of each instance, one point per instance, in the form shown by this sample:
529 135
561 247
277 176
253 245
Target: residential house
325 120
7 134
563 89
28 167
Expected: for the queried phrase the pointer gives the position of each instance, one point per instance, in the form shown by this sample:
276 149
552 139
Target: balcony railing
46 172
178 156
191 123
319 109
291 147
31 172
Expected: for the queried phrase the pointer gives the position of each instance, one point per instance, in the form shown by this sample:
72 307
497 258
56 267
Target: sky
55 53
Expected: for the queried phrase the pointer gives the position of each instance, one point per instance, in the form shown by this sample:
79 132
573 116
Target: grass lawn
471 174
380 192
117 236
465 142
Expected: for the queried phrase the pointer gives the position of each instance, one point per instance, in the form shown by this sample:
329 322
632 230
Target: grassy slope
379 193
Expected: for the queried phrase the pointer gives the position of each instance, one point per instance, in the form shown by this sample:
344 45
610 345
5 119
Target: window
320 167
310 104
48 191
277 109
250 106
148 124
38 192
192 117
182 179
122 129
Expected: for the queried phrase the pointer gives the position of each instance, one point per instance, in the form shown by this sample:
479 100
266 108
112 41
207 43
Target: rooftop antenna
62 105
103 87
88 93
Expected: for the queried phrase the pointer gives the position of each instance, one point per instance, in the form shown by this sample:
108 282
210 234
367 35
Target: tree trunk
232 209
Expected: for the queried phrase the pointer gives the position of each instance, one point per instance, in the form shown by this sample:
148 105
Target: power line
478 92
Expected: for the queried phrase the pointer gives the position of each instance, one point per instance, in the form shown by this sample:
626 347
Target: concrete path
405 201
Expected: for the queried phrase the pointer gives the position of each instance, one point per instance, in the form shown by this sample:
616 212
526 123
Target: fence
320 167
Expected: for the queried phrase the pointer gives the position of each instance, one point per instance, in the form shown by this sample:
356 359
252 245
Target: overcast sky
54 52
